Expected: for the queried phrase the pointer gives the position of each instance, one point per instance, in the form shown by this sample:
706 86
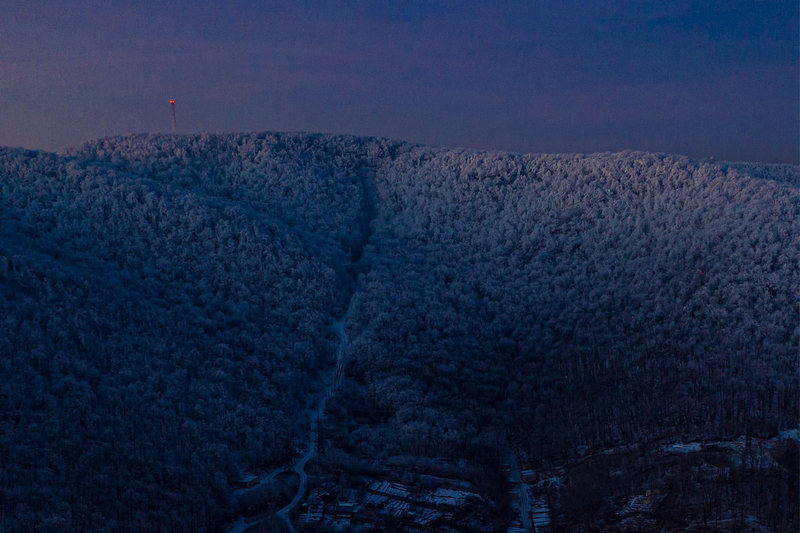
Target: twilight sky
702 78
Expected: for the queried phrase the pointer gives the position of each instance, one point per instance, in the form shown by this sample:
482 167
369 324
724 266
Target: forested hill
167 305
578 300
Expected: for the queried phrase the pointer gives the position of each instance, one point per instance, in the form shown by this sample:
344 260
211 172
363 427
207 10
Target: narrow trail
332 382
317 415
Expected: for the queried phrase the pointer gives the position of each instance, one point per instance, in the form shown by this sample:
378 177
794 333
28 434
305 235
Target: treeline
310 182
768 171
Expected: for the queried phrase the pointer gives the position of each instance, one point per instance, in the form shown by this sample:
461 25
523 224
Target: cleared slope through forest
333 381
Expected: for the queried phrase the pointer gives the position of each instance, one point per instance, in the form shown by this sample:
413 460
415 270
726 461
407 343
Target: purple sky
699 78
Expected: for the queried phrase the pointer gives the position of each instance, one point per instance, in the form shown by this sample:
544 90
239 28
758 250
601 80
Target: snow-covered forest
577 300
167 302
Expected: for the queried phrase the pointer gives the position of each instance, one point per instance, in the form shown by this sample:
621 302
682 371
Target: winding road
300 468
332 384
317 415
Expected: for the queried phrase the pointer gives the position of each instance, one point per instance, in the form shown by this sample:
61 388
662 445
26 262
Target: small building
344 510
314 513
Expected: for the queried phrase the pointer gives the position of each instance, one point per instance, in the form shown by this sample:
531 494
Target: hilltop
168 304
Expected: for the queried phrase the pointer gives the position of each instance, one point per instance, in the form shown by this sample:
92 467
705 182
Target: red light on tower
172 105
